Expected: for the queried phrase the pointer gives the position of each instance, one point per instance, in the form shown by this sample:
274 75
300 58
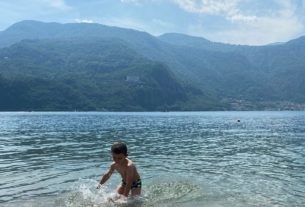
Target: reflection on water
185 159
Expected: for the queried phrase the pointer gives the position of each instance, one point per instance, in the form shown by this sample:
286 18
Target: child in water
131 181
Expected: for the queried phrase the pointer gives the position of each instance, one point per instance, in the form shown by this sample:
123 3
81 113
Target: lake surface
204 159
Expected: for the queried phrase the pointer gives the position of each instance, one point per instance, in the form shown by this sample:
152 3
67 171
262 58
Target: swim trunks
135 184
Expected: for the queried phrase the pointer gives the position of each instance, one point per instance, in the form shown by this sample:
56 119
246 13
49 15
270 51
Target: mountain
204 75
142 42
28 29
267 73
195 42
92 74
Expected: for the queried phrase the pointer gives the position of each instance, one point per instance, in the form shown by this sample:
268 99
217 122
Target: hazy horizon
253 22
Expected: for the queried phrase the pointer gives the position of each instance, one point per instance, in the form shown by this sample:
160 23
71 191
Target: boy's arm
129 180
106 176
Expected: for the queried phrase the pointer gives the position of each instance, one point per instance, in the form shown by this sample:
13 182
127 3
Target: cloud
207 6
248 25
226 8
125 22
84 21
264 31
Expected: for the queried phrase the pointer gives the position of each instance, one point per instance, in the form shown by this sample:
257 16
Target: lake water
189 159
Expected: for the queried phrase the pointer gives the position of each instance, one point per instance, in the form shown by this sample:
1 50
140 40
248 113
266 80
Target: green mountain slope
92 74
234 74
267 73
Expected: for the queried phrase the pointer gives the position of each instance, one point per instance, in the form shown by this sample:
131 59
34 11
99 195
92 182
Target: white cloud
126 22
83 21
280 23
207 6
262 31
226 8
265 31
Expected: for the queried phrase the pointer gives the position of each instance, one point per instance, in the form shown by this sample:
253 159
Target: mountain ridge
255 75
67 75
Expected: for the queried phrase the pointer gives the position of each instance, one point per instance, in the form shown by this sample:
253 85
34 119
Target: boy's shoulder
130 162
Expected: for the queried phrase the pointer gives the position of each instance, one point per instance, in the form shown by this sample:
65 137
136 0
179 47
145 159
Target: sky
247 22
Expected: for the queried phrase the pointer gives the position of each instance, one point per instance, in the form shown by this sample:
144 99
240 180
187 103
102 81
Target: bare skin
127 170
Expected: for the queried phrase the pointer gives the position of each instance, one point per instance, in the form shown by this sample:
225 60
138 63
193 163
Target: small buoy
238 120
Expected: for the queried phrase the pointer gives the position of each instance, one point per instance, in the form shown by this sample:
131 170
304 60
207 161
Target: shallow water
185 159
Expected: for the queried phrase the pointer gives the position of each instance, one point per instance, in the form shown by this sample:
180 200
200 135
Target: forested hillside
89 75
52 66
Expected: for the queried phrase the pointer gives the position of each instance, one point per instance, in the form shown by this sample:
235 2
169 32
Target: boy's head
119 148
119 152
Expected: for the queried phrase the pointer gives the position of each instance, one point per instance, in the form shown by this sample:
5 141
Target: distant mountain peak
27 24
184 36
297 41
31 29
194 42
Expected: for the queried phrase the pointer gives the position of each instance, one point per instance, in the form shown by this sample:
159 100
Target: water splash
84 194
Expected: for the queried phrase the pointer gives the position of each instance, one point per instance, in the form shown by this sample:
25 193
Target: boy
131 180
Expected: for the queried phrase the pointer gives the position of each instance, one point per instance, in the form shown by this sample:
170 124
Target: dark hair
119 148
